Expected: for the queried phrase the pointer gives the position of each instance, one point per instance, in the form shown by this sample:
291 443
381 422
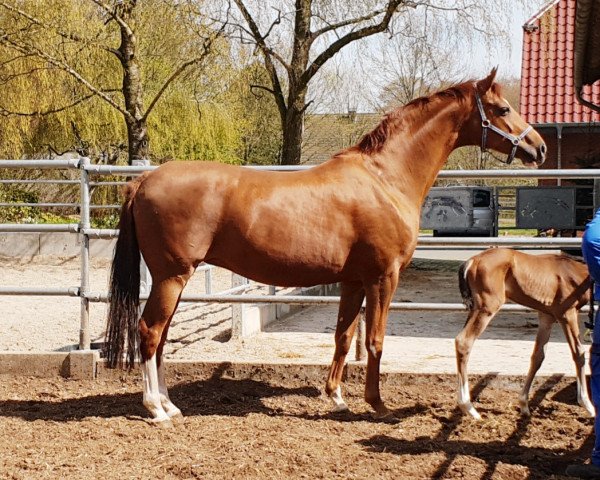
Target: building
549 101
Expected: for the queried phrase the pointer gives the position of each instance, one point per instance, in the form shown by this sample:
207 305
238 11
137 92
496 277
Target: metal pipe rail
317 301
84 230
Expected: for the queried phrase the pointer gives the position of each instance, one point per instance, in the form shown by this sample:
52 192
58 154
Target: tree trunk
137 140
133 91
292 137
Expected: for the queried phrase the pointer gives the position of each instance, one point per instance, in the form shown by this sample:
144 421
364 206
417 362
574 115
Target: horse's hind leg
570 326
171 410
159 310
537 357
351 300
479 318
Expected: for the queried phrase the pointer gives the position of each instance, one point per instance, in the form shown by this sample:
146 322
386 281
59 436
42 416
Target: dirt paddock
279 426
256 429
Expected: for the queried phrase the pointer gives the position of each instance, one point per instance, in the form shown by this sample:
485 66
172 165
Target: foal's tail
124 290
463 285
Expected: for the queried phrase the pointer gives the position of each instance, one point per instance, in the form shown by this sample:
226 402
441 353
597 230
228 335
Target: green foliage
13 214
208 113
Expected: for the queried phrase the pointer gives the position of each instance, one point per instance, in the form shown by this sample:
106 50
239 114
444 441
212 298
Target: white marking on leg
524 405
373 350
464 399
583 399
338 401
151 398
165 401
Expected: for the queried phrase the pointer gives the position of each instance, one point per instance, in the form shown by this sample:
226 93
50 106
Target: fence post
237 309
208 281
84 225
361 348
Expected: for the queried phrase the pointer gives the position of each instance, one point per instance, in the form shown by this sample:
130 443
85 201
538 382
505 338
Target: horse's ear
486 83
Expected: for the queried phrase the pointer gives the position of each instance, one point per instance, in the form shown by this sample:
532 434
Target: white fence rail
86 232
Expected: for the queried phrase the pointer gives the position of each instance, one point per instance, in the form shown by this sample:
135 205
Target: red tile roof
547 92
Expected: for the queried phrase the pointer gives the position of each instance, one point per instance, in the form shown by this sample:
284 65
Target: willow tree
93 48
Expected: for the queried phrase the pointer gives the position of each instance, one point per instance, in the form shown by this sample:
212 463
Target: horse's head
501 128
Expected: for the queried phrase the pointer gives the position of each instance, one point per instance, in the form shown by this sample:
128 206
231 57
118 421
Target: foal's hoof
339 408
177 419
469 409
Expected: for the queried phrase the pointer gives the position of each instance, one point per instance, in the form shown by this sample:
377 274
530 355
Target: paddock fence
90 176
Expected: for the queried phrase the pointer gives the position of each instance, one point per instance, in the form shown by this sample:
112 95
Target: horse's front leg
351 300
537 357
379 296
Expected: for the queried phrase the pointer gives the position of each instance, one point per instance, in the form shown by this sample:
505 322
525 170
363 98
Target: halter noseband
486 124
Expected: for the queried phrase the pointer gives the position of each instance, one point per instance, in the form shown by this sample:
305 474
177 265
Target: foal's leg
159 310
570 326
479 318
351 300
379 295
537 357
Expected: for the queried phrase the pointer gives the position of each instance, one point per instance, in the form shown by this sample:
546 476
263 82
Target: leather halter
486 124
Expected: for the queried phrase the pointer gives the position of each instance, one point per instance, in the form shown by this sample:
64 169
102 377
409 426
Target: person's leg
595 384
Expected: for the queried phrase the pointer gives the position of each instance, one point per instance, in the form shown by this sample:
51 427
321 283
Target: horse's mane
373 141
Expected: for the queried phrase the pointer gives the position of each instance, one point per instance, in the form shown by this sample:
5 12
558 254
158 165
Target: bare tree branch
112 12
345 23
350 37
27 49
268 55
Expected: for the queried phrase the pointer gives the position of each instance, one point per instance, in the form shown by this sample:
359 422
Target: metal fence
83 228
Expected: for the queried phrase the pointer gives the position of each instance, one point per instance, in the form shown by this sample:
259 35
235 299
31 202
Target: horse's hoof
339 408
164 423
389 417
469 409
177 419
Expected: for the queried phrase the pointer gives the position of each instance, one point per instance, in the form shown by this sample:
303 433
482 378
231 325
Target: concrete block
83 364
61 244
47 364
101 247
19 244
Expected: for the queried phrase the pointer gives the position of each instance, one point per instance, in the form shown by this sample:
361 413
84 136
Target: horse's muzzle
541 154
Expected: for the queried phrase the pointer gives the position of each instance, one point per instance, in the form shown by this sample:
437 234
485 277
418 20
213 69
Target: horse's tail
124 290
463 285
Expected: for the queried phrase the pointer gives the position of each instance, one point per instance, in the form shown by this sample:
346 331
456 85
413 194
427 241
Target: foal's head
501 128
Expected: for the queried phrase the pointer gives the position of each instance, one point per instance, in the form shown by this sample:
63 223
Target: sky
361 87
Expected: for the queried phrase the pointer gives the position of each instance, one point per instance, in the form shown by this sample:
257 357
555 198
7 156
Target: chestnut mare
353 219
557 286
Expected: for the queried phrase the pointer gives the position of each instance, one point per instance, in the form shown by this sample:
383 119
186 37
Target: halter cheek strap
487 125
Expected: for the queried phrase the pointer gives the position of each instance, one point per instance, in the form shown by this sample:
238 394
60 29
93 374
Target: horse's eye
504 111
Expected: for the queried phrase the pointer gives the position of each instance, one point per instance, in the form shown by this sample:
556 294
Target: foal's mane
373 141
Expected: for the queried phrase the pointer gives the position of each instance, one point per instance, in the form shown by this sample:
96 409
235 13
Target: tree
297 40
42 40
301 67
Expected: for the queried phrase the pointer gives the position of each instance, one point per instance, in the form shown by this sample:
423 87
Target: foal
557 286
